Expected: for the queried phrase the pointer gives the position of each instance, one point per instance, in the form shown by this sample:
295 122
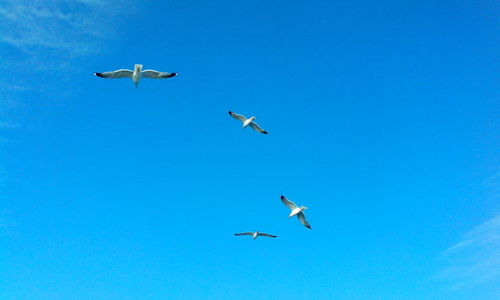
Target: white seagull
256 234
296 211
136 74
246 122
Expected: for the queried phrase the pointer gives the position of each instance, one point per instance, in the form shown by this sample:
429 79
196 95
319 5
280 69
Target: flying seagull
136 74
246 122
256 234
296 211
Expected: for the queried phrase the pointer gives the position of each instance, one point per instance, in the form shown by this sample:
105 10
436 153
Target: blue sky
383 120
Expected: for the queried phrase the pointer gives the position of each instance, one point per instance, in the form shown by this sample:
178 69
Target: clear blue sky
383 119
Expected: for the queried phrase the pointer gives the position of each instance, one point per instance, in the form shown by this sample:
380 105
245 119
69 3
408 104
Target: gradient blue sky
383 120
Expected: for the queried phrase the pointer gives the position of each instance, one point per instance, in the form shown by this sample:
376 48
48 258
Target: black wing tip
282 197
265 132
309 227
230 113
168 75
98 74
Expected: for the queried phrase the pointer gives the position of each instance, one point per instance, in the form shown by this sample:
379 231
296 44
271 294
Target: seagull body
136 74
256 234
295 210
249 121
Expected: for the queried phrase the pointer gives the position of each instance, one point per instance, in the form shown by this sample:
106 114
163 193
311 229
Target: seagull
246 122
136 74
296 211
256 234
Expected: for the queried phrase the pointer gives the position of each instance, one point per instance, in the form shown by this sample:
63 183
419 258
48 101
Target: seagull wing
268 235
302 219
116 74
156 75
237 117
244 233
257 128
288 203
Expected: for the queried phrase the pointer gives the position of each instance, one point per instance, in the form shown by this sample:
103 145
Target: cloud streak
69 27
475 260
36 32
40 38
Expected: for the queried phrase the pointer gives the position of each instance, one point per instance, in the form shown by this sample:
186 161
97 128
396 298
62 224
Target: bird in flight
246 122
256 234
136 74
296 211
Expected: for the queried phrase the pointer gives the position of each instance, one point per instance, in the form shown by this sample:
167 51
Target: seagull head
303 208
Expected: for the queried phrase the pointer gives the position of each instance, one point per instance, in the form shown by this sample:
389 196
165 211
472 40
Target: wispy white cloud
41 37
63 26
51 35
475 260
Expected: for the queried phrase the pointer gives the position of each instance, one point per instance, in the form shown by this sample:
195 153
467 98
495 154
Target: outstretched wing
268 235
288 203
237 117
116 74
244 233
302 219
257 128
157 75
